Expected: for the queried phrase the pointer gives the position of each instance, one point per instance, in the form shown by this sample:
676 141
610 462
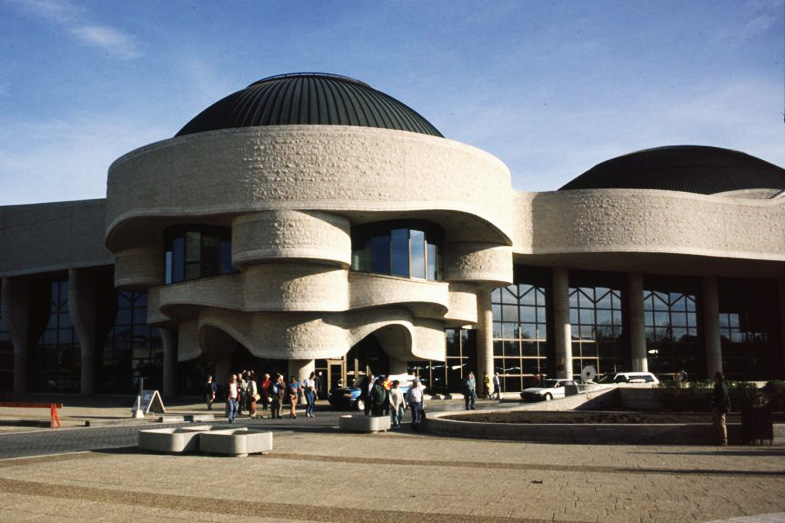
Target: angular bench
174 440
235 442
350 423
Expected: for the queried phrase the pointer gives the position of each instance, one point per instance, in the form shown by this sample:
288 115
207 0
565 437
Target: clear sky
549 87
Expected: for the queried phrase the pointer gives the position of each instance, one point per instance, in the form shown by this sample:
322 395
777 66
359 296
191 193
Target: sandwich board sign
149 401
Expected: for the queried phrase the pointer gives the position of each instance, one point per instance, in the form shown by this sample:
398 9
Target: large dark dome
686 168
309 98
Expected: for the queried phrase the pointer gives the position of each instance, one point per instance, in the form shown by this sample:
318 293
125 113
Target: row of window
410 249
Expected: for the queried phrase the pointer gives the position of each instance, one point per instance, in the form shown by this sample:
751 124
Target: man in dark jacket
720 402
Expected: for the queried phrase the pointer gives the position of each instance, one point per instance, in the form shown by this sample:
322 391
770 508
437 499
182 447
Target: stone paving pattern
316 473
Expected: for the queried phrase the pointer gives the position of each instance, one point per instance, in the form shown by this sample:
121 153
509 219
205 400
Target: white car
621 378
548 390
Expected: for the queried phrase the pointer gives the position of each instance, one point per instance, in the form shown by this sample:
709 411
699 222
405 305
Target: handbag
256 397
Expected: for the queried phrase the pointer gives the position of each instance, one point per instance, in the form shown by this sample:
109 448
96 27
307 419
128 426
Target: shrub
774 393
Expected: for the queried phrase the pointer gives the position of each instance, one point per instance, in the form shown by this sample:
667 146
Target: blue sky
549 87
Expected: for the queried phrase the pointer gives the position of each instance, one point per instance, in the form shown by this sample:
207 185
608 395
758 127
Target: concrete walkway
396 476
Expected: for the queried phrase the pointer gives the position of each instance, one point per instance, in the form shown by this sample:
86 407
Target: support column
16 314
484 337
561 320
637 323
301 369
780 372
711 325
169 337
223 372
398 366
82 306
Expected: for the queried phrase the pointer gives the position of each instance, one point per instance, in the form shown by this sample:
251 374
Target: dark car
349 398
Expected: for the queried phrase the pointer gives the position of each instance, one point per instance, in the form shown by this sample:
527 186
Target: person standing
416 400
378 398
309 390
277 393
232 397
210 389
397 404
469 391
486 386
720 402
293 390
252 391
497 386
367 389
264 392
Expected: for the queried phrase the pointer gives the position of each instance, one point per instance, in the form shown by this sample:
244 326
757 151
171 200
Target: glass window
380 252
418 254
399 240
405 249
197 251
433 260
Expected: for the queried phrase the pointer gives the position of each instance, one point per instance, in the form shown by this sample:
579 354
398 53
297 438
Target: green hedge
697 397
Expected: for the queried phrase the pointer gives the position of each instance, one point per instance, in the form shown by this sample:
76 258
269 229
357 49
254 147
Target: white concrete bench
349 423
172 440
235 442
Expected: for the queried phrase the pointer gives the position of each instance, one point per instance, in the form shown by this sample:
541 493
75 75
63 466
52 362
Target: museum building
312 223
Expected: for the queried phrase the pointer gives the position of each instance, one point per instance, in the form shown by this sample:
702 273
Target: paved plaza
316 473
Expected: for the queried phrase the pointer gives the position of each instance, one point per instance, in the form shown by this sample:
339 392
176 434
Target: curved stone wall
650 221
304 167
270 235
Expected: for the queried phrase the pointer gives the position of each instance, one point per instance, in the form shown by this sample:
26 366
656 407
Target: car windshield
608 378
549 384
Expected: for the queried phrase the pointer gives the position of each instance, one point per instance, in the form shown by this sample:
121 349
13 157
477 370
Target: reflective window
197 251
6 355
56 360
519 332
441 377
596 320
672 333
409 249
132 349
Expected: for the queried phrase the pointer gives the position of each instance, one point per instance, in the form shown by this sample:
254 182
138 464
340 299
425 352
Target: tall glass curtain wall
194 252
672 342
133 349
409 250
441 377
519 334
6 355
596 322
55 362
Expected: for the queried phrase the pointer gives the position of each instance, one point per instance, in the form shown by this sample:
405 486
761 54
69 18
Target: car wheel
359 405
548 397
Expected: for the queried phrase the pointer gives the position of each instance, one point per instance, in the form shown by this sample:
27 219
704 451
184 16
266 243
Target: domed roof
308 99
686 168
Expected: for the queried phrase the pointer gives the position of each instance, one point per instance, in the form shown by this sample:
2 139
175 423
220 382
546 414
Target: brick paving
320 474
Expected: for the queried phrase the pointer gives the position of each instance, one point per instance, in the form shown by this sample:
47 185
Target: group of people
384 397
244 394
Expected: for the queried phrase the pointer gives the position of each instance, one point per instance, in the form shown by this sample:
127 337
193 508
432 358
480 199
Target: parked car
349 398
550 389
620 378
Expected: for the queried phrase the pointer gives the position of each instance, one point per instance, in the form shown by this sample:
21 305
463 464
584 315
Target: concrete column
637 323
711 325
301 369
170 341
398 366
223 371
82 306
778 373
561 321
484 337
16 314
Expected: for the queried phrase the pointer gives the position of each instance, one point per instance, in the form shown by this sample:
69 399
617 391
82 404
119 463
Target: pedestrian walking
210 389
720 403
232 398
397 404
293 390
309 391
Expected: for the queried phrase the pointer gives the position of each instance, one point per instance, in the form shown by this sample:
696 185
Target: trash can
756 425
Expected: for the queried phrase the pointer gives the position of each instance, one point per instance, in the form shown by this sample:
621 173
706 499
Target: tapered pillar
711 325
398 366
82 306
561 320
636 319
301 369
484 337
169 337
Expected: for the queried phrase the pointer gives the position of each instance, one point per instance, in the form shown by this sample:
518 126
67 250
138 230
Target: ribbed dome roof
308 99
686 168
